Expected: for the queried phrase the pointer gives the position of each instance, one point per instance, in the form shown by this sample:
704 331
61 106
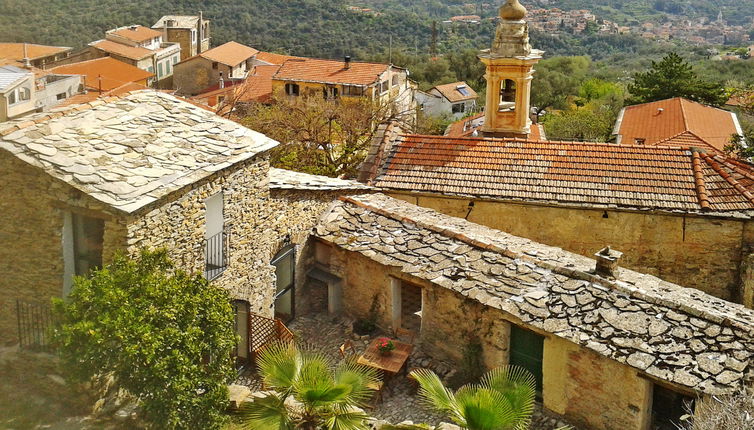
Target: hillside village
619 275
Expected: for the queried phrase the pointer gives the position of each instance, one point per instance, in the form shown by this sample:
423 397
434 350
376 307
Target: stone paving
324 333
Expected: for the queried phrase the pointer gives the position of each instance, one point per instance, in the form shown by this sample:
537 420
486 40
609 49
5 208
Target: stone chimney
607 262
347 62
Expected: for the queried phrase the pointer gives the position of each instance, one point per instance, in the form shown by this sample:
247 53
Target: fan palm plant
502 400
307 392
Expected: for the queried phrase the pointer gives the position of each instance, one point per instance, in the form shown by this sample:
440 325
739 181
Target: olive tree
164 335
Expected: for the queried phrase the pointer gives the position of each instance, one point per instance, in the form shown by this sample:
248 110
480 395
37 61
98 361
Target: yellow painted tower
510 69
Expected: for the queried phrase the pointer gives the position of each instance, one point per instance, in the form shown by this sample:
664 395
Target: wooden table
391 363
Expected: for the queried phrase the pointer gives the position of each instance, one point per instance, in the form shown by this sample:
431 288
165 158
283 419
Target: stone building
223 64
143 170
26 90
610 348
191 32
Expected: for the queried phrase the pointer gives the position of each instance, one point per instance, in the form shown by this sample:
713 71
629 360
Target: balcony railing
216 255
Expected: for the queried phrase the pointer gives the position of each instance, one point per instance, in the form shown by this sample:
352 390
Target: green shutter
526 349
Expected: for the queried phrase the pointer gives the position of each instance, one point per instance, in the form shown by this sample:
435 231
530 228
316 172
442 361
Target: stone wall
179 225
586 388
591 391
33 205
699 252
191 77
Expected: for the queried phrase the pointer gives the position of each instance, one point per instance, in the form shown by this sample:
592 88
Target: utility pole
390 50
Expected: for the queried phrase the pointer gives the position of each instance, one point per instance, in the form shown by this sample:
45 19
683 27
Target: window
167 67
193 36
159 70
330 93
215 238
350 90
12 97
384 86
24 94
215 65
526 350
241 324
396 80
668 407
175 59
459 107
88 234
61 96
285 265
508 95
292 89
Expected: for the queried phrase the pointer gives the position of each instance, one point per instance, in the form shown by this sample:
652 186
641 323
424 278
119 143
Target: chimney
27 61
134 27
199 33
607 262
222 81
347 62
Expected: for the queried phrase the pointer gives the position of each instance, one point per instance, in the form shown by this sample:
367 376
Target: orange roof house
274 59
106 73
130 52
456 92
331 71
676 121
257 88
231 54
661 178
36 54
136 33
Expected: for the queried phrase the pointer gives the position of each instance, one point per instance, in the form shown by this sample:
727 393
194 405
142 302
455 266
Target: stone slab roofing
130 151
658 121
675 334
281 179
330 72
570 173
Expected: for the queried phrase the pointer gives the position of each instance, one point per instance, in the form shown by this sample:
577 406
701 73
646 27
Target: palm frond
346 420
266 413
280 364
485 409
358 378
434 393
316 387
517 385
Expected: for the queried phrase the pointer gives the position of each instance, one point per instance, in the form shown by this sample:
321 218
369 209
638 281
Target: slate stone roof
676 334
580 174
281 179
130 151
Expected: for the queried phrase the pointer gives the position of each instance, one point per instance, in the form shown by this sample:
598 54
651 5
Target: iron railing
35 323
216 255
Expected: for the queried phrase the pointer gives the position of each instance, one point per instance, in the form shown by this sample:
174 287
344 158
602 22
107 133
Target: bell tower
510 69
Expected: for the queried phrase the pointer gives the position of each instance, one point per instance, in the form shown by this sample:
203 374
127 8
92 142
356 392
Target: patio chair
347 349
377 396
405 335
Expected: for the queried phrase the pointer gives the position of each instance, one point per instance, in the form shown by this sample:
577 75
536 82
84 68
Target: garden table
390 363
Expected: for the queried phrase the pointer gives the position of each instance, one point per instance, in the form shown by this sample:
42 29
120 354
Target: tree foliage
163 334
308 392
674 77
319 136
580 123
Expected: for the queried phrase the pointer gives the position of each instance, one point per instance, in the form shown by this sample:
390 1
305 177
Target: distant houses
454 100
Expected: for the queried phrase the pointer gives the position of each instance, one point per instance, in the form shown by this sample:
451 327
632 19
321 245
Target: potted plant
385 346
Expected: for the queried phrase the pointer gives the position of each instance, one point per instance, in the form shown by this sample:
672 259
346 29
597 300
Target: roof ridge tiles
701 189
731 180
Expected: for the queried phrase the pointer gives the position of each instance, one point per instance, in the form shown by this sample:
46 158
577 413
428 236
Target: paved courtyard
324 333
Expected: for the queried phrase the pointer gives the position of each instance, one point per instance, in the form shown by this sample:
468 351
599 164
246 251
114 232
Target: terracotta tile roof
453 92
258 86
114 73
278 59
330 72
231 54
136 33
635 319
131 52
94 95
584 174
15 51
661 120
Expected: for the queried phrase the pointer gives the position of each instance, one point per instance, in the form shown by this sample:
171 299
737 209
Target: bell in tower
510 69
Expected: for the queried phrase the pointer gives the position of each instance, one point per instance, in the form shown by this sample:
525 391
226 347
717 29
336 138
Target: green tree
502 400
557 80
674 77
584 123
163 334
308 393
